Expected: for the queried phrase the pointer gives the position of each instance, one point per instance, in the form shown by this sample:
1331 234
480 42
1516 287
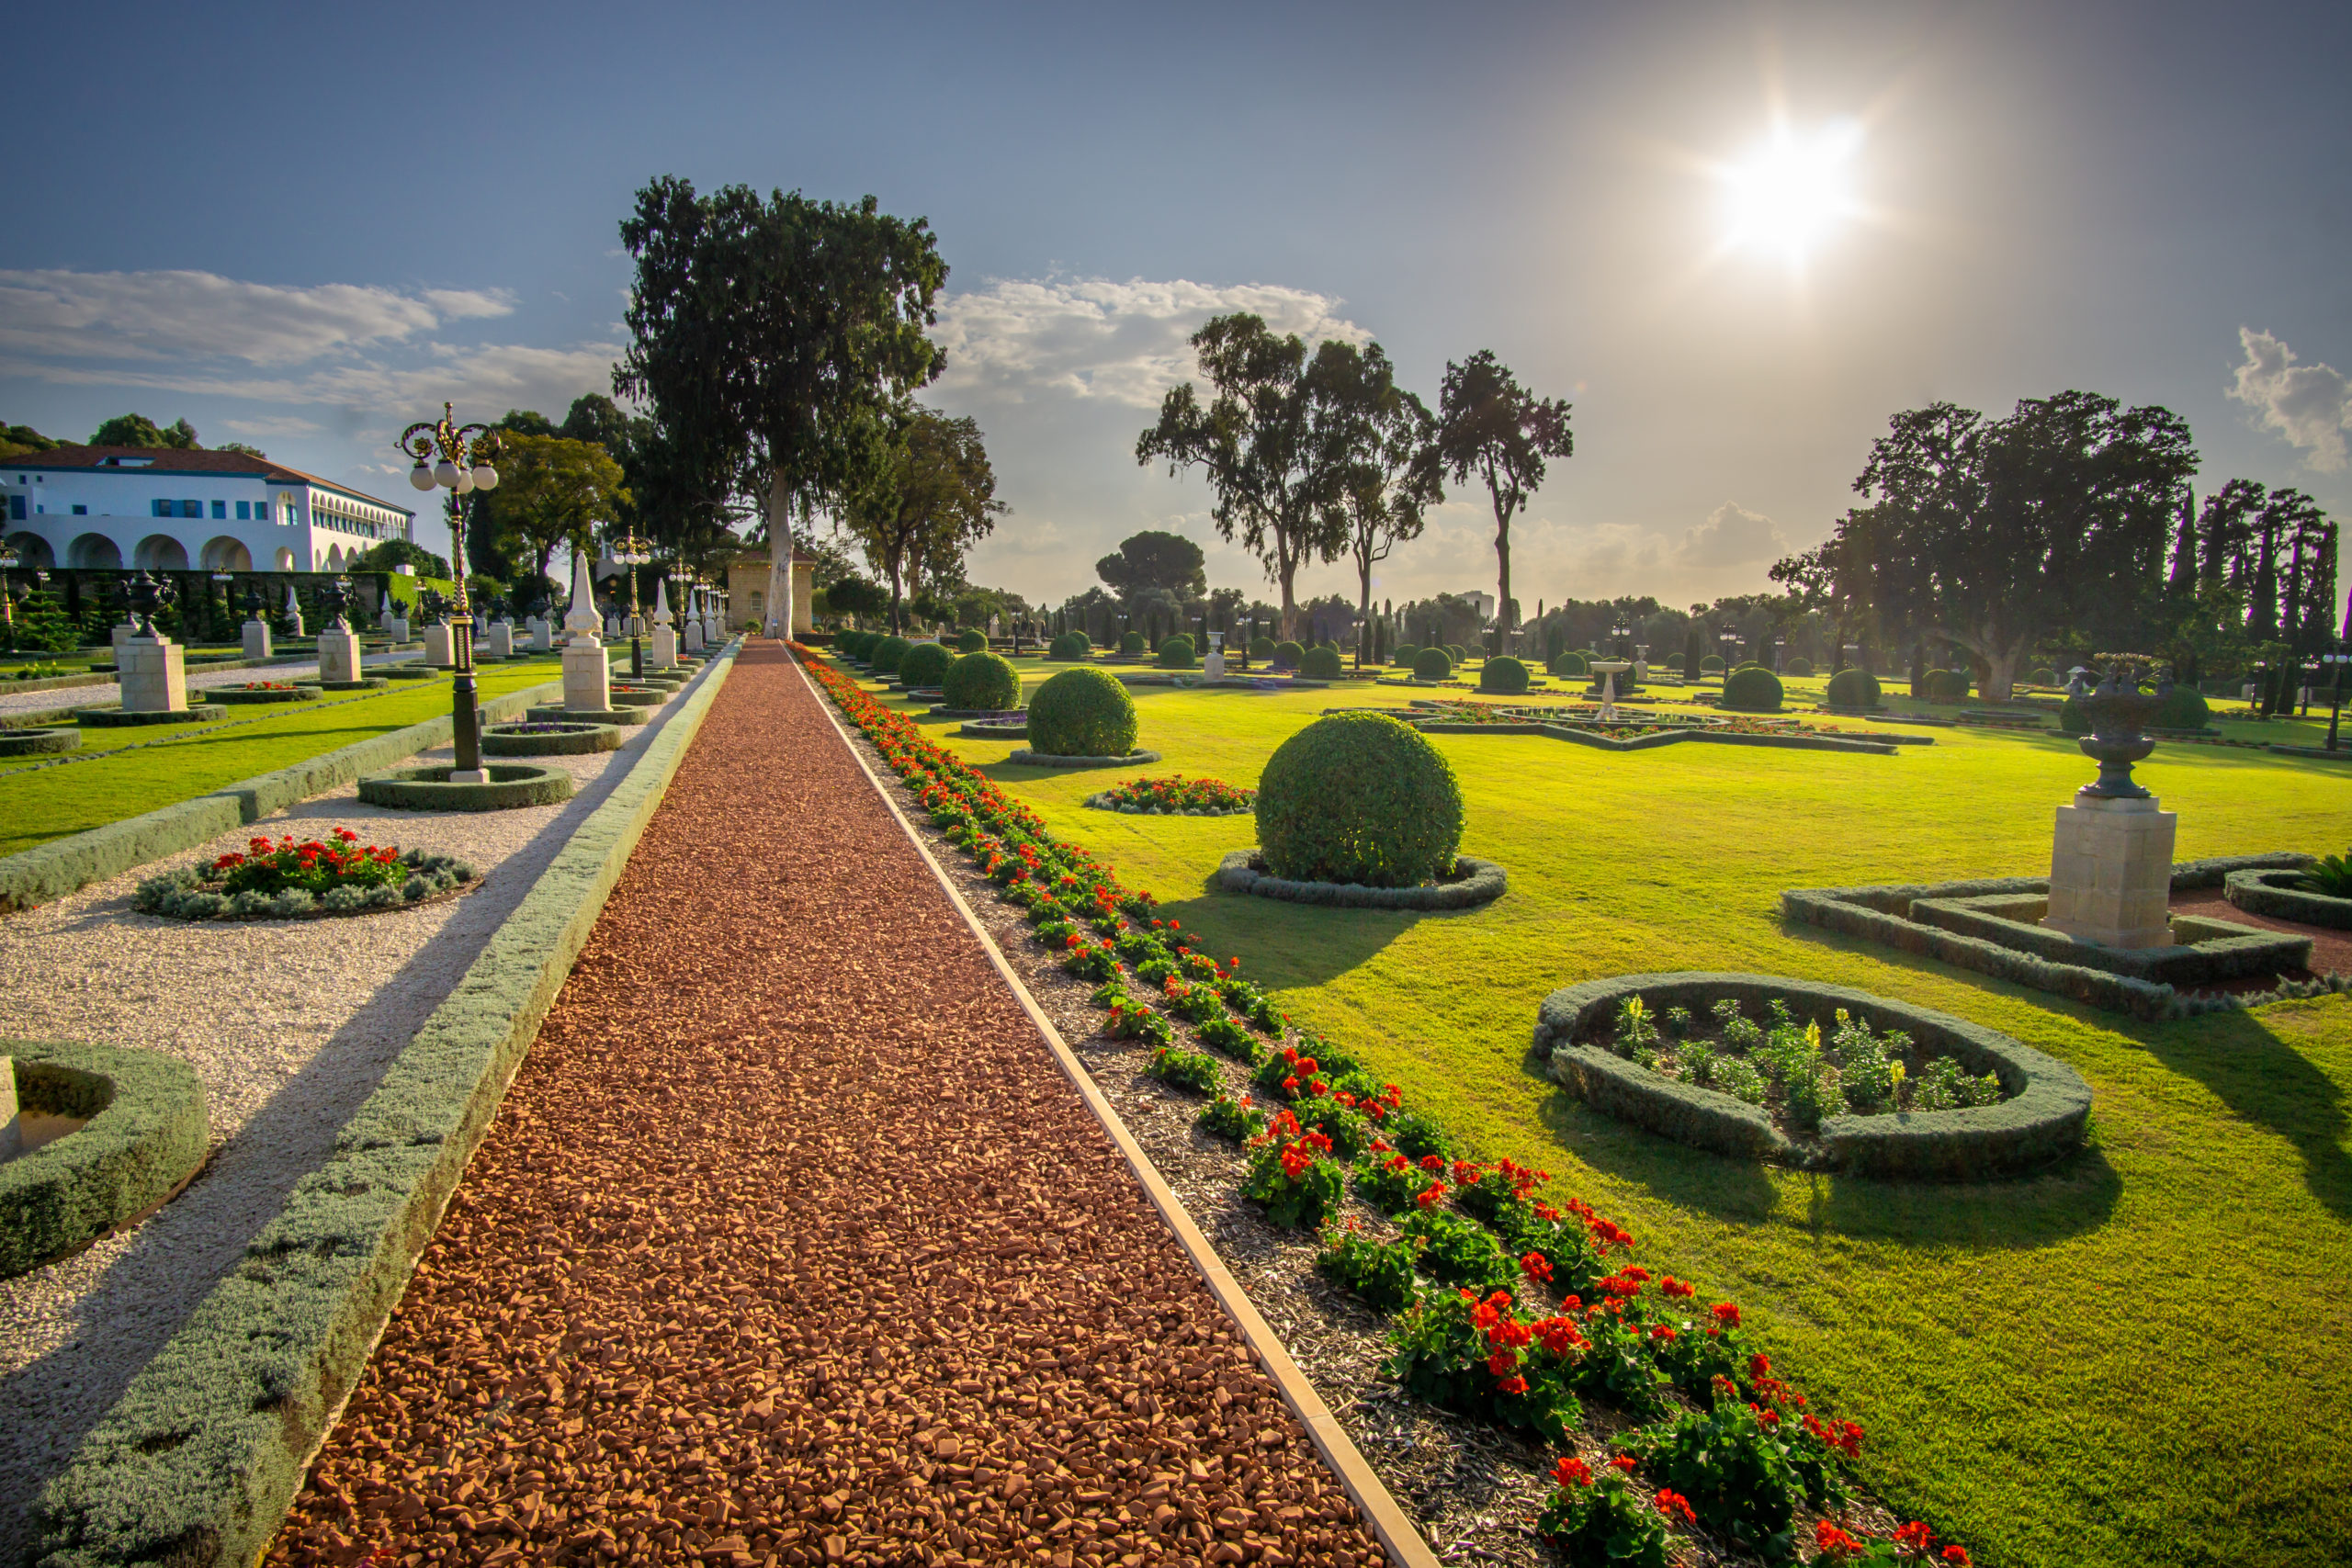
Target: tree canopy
1155 560
138 430
1386 481
553 492
933 498
1491 427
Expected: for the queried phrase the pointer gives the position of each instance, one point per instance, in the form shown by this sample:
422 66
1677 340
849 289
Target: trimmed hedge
1459 654
981 681
972 641
1506 675
2184 707
1403 655
232 697
38 742
1031 758
1800 665
116 718
924 664
1176 653
1359 797
1082 713
1712 665
2212 952
1752 688
1854 688
1287 655
2042 1118
1568 666
1432 664
1131 644
1069 648
1948 685
1262 648
2275 894
147 1134
1474 881
884 656
571 740
1322 664
430 789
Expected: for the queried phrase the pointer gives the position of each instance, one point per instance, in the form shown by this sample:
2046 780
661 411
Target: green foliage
2184 707
42 626
1174 1064
1403 654
2330 877
1415 1136
1459 1252
2045 676
1380 1274
924 664
982 682
1752 688
1569 665
1082 713
1459 654
1597 1521
1227 1117
1432 664
1942 1084
1443 1350
1712 665
1287 654
1227 1037
1176 653
138 430
1069 648
1737 1476
1799 666
972 641
1948 685
1505 675
1322 664
1853 688
1359 797
1262 648
884 655
1131 644
1296 1184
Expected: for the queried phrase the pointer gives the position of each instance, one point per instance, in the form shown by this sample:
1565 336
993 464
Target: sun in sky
1789 193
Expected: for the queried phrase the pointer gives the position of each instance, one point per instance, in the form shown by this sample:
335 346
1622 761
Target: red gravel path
791 1245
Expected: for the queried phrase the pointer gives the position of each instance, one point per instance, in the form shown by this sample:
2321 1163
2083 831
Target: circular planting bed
1175 796
411 672
549 738
558 713
116 719
1054 760
995 729
37 742
365 683
1470 883
638 697
138 1132
284 880
2280 896
255 695
1762 1065
430 789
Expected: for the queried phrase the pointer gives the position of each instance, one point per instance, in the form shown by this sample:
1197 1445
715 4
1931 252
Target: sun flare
1792 191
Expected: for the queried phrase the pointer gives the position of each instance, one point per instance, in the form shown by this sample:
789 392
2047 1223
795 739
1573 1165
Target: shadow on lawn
2266 1081
1293 945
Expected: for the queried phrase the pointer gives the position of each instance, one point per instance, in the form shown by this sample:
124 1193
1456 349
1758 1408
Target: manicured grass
2143 1357
39 804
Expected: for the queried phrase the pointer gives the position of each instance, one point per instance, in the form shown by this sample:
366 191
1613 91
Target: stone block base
665 648
154 672
338 656
440 647
256 639
498 641
2111 873
587 676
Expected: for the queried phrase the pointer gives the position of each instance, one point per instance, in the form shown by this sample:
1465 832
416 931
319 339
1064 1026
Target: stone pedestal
542 634
695 643
153 675
121 634
712 637
587 676
664 653
338 654
440 647
2111 873
396 627
1214 665
498 639
256 639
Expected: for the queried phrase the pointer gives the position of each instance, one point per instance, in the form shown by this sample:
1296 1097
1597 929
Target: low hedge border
572 740
1243 872
509 786
198 1461
2041 1120
119 718
1021 714
365 683
1047 759
980 730
1672 737
52 870
555 713
623 698
38 742
2322 752
2273 893
1104 803
147 1134
2211 952
1882 915
233 695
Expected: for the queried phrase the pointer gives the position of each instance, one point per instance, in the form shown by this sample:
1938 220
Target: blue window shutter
160 508
80 510
191 509
16 508
220 509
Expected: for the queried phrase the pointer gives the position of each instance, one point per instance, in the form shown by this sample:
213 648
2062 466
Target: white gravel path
290 1023
198 679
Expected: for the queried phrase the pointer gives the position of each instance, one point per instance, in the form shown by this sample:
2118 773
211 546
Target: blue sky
304 227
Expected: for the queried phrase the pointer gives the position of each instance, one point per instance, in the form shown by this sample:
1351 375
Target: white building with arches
165 510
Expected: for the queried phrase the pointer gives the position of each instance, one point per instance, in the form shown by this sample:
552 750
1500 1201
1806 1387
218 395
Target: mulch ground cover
791 1245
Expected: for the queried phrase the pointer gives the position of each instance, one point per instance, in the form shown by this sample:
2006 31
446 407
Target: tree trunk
1363 609
779 610
2001 659
1502 598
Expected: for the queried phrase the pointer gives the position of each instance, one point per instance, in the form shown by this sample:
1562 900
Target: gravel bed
791 1244
198 680
290 1023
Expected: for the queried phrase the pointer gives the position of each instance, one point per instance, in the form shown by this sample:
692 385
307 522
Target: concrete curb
65 866
1396 1532
198 1462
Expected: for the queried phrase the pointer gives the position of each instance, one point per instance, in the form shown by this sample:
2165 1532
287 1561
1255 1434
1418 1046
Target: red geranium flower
1676 1507
1572 1472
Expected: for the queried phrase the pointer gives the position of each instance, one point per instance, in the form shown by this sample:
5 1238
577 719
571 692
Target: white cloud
201 315
1731 536
507 375
1122 342
273 424
2310 405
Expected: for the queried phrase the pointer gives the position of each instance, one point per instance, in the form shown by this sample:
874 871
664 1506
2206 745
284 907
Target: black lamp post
1621 634
1729 639
1779 653
2261 689
631 554
2334 662
8 599
464 455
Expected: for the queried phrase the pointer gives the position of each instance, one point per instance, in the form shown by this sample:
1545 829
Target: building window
160 508
17 509
80 510
191 509
221 510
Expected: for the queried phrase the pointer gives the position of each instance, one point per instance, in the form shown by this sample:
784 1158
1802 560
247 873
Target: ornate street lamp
1779 651
457 458
9 600
2334 663
1729 637
629 552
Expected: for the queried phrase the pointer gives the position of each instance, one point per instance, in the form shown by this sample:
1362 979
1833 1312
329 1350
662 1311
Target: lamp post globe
456 458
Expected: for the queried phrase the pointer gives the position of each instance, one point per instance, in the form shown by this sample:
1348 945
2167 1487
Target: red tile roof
174 461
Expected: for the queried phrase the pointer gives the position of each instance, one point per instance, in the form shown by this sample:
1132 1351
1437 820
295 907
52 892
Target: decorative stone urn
2110 866
2118 712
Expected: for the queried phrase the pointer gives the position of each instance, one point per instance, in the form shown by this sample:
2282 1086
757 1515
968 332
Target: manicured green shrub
887 653
1674 661
1262 648
1712 665
1131 644
854 643
1459 654
1947 685
1752 688
1176 653
2045 676
1568 666
1287 655
924 664
972 641
1432 664
1854 688
1800 665
1404 655
1358 798
1082 713
1069 648
1322 664
2072 720
2183 708
1506 675
983 681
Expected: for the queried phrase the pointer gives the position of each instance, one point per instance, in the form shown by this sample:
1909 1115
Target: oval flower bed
549 738
286 879
1814 1075
1175 795
263 691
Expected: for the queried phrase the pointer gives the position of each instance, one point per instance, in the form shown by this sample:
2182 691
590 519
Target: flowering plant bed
263 691
286 879
1175 795
549 738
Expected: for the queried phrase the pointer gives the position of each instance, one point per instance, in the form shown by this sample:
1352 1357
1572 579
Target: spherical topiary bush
1947 685
852 643
1176 653
924 664
1069 648
1506 675
1752 688
982 681
1674 661
1359 797
1458 653
1854 688
973 640
1568 665
1082 713
1432 664
886 654
2072 719
1800 665
1404 655
1287 654
2045 676
1712 665
2183 708
1131 644
1322 664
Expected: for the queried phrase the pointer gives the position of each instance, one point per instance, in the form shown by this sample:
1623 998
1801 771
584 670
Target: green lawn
37 804
2143 1358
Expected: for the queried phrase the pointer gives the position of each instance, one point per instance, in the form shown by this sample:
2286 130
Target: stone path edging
1396 1532
200 1458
